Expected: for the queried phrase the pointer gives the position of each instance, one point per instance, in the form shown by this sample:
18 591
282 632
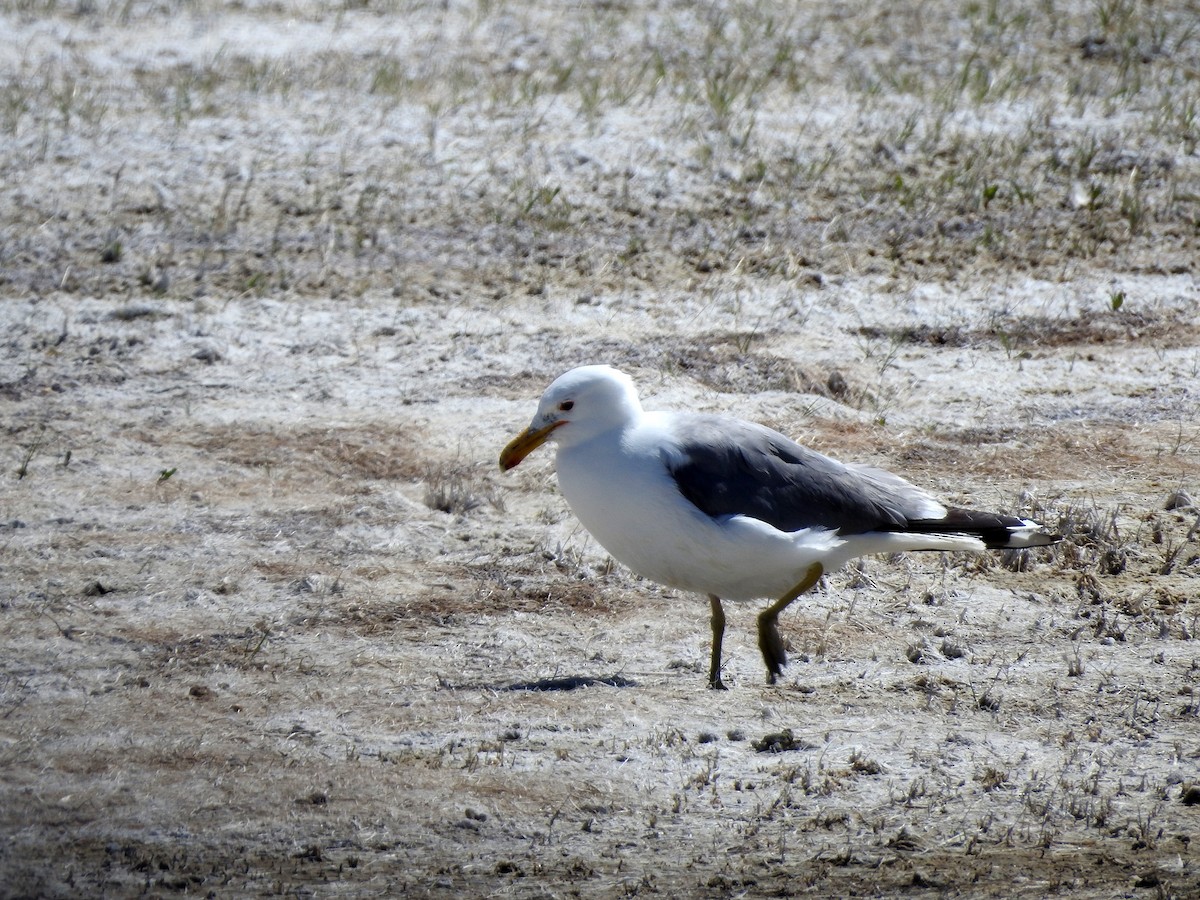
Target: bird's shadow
569 683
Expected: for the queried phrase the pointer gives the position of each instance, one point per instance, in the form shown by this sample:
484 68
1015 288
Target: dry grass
371 452
1166 328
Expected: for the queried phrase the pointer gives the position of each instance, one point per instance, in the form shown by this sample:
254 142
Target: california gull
732 509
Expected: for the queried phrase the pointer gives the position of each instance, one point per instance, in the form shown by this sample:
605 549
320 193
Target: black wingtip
997 531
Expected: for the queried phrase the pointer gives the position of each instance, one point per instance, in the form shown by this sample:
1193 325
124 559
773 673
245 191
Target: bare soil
279 280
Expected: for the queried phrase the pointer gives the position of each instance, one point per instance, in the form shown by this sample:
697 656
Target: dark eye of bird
566 405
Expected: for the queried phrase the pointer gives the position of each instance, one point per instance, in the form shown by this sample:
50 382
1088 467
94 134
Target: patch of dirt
1167 328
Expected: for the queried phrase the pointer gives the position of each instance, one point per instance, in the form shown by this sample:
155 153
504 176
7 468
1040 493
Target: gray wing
730 467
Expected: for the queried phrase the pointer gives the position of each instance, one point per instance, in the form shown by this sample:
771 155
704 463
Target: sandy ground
277 282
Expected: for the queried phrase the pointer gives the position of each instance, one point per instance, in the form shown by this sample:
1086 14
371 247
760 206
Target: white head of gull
732 509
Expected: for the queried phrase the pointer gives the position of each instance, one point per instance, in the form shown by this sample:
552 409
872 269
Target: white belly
629 503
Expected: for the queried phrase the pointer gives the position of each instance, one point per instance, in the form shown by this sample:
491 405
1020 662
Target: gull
732 509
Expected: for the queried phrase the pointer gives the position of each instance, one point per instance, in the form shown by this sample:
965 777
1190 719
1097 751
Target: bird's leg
718 630
770 642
